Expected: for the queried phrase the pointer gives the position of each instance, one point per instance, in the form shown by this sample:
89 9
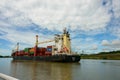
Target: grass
109 56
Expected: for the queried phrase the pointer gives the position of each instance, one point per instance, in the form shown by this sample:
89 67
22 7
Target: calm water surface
84 70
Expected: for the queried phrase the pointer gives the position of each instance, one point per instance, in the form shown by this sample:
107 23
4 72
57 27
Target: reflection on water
85 70
34 70
2 79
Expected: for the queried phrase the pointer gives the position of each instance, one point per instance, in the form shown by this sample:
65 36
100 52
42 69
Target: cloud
116 8
89 39
113 45
116 30
94 47
87 44
21 20
5 52
116 43
82 15
25 38
105 43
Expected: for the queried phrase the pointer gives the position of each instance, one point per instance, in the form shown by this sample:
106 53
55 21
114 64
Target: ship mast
17 47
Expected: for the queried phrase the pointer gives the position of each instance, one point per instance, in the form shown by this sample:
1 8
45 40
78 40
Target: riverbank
5 56
107 56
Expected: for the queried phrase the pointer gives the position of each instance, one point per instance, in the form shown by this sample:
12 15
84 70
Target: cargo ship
59 52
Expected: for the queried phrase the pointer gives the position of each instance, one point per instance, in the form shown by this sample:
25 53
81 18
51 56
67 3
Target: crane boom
45 41
16 48
37 42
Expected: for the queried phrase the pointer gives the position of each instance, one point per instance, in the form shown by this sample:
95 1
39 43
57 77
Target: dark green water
84 70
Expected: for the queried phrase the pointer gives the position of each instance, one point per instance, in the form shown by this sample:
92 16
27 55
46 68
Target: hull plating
54 58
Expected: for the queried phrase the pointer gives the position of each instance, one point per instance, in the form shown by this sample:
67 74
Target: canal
86 69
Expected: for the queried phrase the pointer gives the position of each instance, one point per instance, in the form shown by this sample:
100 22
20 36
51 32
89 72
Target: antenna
64 30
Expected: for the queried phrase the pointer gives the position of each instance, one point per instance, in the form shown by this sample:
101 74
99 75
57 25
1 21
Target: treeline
1 56
112 55
5 56
111 52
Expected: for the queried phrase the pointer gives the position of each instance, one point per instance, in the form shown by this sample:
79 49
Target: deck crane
62 42
16 48
37 43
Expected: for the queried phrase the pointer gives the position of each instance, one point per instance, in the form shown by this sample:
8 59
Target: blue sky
94 24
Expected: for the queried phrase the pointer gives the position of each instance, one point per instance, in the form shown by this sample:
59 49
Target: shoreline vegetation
113 55
5 56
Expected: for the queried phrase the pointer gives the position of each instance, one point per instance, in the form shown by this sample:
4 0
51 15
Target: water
84 70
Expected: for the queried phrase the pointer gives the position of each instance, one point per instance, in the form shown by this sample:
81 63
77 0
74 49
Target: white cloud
89 39
5 52
84 16
26 38
116 30
105 43
87 44
116 8
56 14
4 24
116 43
94 47
111 45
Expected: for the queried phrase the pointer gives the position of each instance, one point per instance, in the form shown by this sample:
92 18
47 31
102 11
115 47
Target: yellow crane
43 41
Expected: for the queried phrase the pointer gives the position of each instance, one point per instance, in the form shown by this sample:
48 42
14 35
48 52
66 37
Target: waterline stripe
6 77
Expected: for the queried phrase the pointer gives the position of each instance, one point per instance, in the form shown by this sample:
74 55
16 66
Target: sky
94 25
